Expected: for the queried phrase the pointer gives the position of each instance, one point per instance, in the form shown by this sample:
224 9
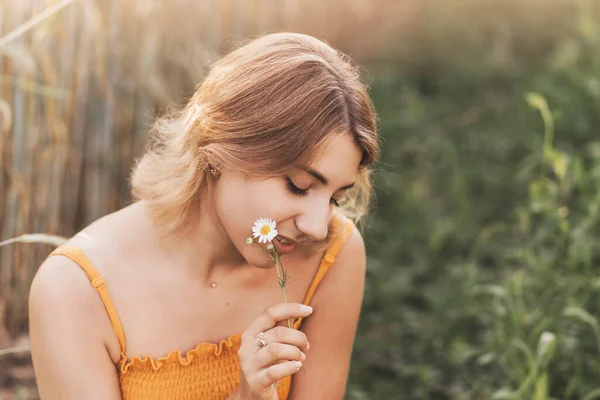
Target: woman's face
300 203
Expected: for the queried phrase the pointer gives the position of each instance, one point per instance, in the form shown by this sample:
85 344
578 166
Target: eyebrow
324 180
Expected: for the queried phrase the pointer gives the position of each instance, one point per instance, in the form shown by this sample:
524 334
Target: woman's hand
261 368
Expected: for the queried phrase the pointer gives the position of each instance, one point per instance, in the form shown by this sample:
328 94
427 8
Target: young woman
164 299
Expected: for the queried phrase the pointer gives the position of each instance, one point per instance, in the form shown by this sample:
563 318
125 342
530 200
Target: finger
273 314
286 335
275 352
279 371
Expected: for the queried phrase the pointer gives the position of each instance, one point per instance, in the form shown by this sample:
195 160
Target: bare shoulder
64 280
107 241
62 291
353 249
61 294
66 323
60 281
332 327
345 279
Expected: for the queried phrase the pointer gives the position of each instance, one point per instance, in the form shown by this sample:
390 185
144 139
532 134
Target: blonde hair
264 108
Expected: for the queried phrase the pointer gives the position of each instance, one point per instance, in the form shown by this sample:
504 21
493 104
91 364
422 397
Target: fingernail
303 356
297 364
307 309
307 346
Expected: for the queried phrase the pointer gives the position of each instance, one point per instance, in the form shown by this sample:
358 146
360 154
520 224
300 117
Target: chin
261 260
263 264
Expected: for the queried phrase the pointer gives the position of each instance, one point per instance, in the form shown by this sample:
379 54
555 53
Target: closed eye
295 190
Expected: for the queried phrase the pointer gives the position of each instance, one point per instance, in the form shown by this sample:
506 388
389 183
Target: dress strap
344 226
99 284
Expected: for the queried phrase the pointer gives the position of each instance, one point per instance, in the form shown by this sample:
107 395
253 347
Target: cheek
264 199
240 203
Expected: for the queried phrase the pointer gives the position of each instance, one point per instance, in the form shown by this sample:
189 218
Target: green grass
484 249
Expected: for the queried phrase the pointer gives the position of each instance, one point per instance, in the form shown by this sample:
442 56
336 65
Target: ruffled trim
203 350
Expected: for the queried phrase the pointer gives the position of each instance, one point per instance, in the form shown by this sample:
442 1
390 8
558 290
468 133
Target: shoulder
62 279
353 249
60 282
347 274
331 328
63 301
62 296
61 285
111 241
344 281
66 323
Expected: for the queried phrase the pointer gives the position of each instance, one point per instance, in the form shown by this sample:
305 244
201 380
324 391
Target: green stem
280 276
282 279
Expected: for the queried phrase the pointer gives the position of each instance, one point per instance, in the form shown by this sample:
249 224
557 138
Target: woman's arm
332 327
69 328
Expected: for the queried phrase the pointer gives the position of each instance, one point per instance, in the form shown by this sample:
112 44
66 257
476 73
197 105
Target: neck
206 253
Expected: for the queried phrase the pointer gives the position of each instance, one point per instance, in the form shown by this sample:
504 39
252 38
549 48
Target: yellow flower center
265 229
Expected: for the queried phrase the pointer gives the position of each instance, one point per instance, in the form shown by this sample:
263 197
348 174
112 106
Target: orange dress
209 371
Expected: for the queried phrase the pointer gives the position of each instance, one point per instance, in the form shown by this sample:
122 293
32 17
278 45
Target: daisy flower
264 230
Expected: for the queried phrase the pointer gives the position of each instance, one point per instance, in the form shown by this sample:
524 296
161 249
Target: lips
286 238
283 248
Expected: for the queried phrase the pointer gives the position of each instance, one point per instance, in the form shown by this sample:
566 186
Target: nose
314 221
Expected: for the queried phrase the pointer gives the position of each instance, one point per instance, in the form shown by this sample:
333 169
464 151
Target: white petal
259 222
272 235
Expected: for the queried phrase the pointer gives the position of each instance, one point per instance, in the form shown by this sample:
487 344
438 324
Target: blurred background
484 244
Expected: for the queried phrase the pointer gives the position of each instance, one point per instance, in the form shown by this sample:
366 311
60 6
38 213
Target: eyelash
295 190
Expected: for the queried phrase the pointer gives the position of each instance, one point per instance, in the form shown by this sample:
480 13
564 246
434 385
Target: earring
214 172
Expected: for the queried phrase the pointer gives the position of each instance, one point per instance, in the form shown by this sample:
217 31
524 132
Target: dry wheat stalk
36 238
